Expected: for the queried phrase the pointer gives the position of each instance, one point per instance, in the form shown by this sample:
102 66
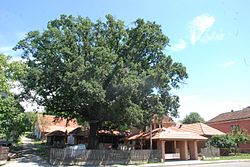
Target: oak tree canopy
102 71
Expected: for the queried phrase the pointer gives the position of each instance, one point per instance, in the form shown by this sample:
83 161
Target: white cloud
213 36
180 45
228 64
199 26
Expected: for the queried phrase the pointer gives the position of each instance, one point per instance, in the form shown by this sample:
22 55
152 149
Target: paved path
197 163
28 159
232 164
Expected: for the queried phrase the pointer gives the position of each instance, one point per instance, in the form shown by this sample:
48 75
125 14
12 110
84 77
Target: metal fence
69 156
4 151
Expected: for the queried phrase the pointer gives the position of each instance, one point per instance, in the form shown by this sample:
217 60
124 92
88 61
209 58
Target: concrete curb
186 163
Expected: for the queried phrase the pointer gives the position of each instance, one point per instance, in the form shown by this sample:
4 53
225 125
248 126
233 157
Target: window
235 128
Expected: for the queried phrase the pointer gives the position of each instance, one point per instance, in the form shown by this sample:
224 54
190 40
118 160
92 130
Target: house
112 139
200 129
176 141
47 124
171 141
59 131
231 121
56 138
108 139
80 136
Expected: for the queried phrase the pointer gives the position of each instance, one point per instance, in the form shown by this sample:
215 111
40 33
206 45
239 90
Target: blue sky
210 37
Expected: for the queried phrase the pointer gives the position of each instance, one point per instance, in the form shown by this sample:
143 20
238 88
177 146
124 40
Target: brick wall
226 128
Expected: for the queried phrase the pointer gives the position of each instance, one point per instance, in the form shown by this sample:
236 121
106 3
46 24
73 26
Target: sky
209 37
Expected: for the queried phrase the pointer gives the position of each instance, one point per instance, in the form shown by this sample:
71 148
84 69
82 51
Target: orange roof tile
168 134
199 128
137 136
234 115
57 133
79 132
114 132
49 123
171 134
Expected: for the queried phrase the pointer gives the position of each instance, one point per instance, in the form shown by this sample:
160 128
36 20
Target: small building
79 136
112 139
172 142
56 138
200 129
233 121
176 141
47 123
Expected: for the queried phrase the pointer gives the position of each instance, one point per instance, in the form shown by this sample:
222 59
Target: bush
228 143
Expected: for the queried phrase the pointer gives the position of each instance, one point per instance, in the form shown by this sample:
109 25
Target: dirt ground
28 158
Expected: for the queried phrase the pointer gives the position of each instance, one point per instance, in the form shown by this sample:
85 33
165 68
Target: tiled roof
199 128
145 135
79 132
57 133
49 123
137 136
168 134
172 134
114 132
234 115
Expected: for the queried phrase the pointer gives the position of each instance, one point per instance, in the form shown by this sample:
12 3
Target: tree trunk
93 138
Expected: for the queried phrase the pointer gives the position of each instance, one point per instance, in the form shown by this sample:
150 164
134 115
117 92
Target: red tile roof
79 132
199 128
170 133
49 123
57 133
234 115
173 134
114 132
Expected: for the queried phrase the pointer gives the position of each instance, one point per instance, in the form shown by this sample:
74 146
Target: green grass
238 156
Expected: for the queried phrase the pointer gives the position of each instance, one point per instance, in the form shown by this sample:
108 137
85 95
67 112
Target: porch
182 150
172 143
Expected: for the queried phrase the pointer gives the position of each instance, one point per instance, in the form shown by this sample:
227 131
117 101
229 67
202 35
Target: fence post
4 151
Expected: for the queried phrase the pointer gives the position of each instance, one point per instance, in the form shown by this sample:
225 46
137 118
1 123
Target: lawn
238 156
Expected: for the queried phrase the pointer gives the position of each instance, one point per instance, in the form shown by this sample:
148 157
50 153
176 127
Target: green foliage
229 142
193 117
13 121
102 71
222 141
240 137
32 119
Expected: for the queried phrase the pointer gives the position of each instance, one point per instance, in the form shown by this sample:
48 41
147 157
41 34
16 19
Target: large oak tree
101 71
